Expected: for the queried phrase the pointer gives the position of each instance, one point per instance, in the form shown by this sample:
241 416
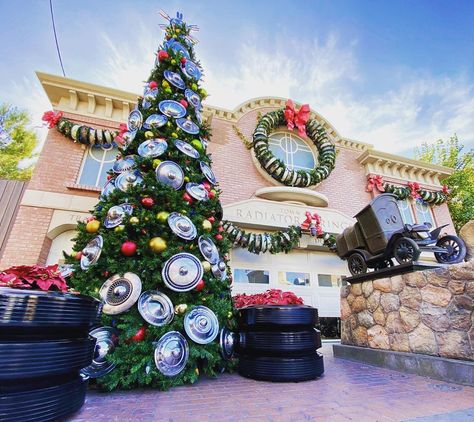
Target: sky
391 73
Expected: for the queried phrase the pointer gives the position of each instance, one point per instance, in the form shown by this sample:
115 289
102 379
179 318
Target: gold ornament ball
174 135
119 229
134 220
162 216
93 226
173 62
194 87
165 84
169 124
180 309
206 266
186 179
196 143
157 244
229 315
156 163
177 30
203 299
149 134
203 93
184 212
206 225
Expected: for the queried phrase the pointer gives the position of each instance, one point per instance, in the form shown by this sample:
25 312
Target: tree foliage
450 153
17 143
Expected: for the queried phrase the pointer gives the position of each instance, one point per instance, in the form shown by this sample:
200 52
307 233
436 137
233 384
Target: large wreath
311 128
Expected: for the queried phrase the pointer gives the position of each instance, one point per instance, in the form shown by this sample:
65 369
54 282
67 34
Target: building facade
68 178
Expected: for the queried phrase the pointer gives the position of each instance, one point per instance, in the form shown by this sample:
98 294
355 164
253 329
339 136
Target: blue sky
391 73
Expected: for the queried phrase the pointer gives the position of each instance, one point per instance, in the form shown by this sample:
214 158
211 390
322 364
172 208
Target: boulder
415 279
436 295
467 234
456 287
463 271
373 301
397 283
393 323
454 344
359 304
378 337
379 316
345 290
356 289
390 302
345 309
366 319
399 342
410 318
383 284
359 336
435 317
367 288
422 340
410 297
438 277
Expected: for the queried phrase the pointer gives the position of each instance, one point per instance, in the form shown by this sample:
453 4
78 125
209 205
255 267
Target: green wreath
277 168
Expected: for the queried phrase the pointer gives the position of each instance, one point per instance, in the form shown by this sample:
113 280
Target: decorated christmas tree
152 250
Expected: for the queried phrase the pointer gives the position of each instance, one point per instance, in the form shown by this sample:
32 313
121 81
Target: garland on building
81 133
280 241
412 190
306 127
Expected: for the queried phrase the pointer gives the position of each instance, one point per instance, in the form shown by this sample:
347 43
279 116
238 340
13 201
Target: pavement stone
348 391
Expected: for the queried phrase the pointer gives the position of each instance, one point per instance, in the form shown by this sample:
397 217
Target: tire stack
279 342
44 343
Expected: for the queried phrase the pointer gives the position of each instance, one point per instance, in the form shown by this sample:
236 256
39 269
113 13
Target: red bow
52 117
446 190
414 190
297 118
313 224
374 181
119 137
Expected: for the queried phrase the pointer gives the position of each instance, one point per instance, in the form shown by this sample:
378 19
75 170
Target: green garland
276 242
85 134
403 192
277 168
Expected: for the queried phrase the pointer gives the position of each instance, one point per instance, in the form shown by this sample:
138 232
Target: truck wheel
406 250
42 358
356 263
279 343
455 250
277 317
279 369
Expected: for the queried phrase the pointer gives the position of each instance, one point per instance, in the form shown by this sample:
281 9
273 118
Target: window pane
423 212
405 209
97 162
330 280
292 150
251 276
290 278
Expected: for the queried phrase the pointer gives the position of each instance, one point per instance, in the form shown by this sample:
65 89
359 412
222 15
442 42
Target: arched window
292 150
97 161
62 242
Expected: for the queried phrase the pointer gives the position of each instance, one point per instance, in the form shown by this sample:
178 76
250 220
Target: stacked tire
279 343
44 343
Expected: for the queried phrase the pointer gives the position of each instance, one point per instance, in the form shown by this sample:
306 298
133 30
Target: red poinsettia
270 297
33 276
52 118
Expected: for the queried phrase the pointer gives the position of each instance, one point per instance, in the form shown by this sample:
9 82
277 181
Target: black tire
277 317
279 369
456 250
405 250
44 403
40 311
279 343
41 358
356 264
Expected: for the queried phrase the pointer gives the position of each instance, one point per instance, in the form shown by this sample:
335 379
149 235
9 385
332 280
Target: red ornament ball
218 236
148 202
78 255
187 198
212 193
200 285
109 176
152 85
184 103
91 218
162 55
211 220
183 60
207 186
139 335
220 229
128 248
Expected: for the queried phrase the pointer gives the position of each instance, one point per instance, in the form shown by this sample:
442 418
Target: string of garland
83 134
275 242
310 127
411 190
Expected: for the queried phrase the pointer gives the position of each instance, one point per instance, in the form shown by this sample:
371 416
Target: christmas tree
153 250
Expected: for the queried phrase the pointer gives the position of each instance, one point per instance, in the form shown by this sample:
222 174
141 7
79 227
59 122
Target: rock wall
428 312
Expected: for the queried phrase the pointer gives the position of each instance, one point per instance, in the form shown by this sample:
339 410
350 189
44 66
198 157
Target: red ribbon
52 118
446 190
297 118
122 129
374 182
414 186
312 222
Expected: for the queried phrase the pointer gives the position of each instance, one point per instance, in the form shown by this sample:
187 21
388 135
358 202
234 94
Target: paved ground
348 391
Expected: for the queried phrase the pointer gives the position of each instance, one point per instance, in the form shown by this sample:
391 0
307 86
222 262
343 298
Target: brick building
68 178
